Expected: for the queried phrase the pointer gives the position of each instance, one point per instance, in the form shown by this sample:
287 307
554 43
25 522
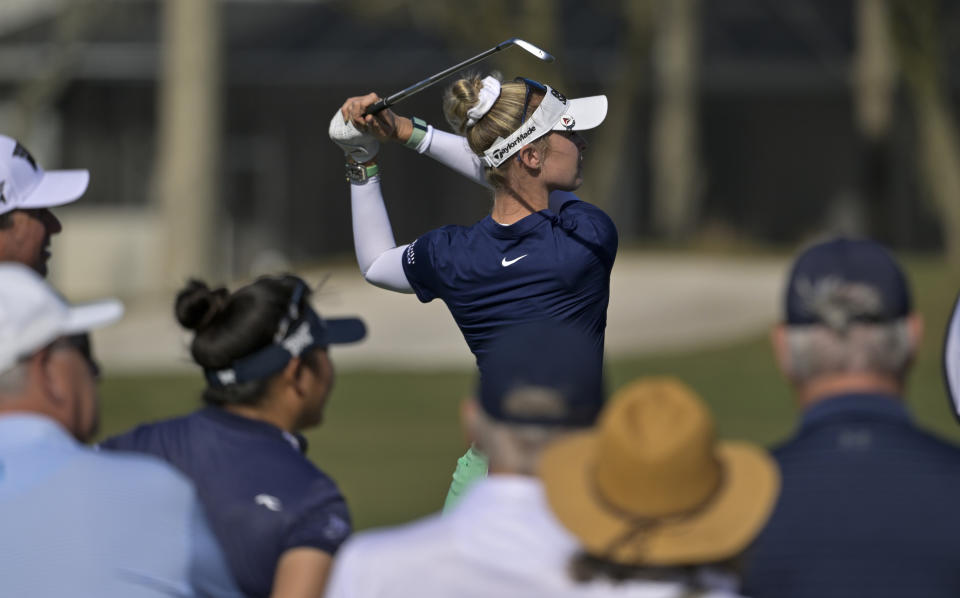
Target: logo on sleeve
505 262
411 256
271 502
336 528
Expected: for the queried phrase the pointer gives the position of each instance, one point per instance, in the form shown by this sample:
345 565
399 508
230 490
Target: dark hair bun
197 304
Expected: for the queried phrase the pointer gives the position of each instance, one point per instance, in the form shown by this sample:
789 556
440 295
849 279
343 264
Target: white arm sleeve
452 151
378 256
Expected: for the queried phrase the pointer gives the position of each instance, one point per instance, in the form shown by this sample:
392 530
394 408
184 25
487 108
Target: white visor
951 359
56 188
555 113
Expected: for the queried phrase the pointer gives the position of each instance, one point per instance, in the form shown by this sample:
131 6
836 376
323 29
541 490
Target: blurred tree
874 83
612 152
72 24
187 159
916 27
469 28
675 138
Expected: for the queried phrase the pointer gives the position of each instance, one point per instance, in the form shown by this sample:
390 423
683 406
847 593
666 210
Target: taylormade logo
500 152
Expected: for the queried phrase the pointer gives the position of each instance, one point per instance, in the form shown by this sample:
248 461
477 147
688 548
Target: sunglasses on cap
531 87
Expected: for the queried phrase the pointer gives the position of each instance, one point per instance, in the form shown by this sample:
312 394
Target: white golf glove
359 146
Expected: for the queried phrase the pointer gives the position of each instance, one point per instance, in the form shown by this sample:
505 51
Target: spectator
540 382
75 522
27 193
660 508
263 350
868 500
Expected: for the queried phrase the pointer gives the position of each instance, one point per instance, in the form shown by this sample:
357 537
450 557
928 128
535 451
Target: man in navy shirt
868 504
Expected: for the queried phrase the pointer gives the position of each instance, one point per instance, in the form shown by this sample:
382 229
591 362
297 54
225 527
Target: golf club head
538 52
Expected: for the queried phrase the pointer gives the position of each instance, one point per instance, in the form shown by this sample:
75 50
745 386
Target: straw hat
650 485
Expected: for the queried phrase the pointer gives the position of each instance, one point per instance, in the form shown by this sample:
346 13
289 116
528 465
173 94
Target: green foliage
391 439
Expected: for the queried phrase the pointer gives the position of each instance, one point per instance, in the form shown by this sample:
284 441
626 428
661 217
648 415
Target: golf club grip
376 106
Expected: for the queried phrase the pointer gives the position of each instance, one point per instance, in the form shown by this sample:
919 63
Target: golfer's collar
548 113
520 227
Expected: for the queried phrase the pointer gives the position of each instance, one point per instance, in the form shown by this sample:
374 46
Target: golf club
416 87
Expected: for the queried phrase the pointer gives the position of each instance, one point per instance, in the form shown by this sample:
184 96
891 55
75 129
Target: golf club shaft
417 87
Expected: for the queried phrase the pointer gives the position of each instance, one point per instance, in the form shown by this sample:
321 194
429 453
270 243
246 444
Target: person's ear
294 376
468 419
42 368
781 349
915 329
530 157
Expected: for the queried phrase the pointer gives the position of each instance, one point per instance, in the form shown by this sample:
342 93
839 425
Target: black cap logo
21 152
3 198
558 95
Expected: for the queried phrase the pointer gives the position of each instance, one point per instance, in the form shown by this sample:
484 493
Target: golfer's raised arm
377 253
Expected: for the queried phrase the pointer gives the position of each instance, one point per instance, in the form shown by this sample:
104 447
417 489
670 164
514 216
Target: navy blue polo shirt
867 508
261 494
547 266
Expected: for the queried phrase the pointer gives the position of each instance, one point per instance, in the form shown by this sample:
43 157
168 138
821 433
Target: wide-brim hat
651 486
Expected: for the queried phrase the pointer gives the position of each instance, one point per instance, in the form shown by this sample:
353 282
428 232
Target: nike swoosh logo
505 262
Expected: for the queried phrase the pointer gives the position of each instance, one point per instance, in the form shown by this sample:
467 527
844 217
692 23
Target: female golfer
541 254
263 351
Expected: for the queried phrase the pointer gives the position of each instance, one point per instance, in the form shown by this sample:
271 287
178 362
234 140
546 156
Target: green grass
391 438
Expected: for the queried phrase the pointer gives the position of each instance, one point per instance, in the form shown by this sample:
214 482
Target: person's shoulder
137 473
575 205
905 439
303 483
412 542
935 446
139 437
371 561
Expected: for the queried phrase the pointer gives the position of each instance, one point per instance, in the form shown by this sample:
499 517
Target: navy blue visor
300 331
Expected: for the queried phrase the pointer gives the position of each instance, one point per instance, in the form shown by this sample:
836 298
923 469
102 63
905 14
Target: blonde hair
502 119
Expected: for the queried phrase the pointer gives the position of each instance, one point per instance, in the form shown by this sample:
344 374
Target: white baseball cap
24 185
32 314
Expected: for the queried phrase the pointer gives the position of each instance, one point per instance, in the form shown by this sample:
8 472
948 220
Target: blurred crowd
564 492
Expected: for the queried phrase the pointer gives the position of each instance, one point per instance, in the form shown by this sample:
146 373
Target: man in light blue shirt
75 522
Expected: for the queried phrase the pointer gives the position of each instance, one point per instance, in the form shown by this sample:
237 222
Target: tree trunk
916 31
675 139
610 153
189 138
874 83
